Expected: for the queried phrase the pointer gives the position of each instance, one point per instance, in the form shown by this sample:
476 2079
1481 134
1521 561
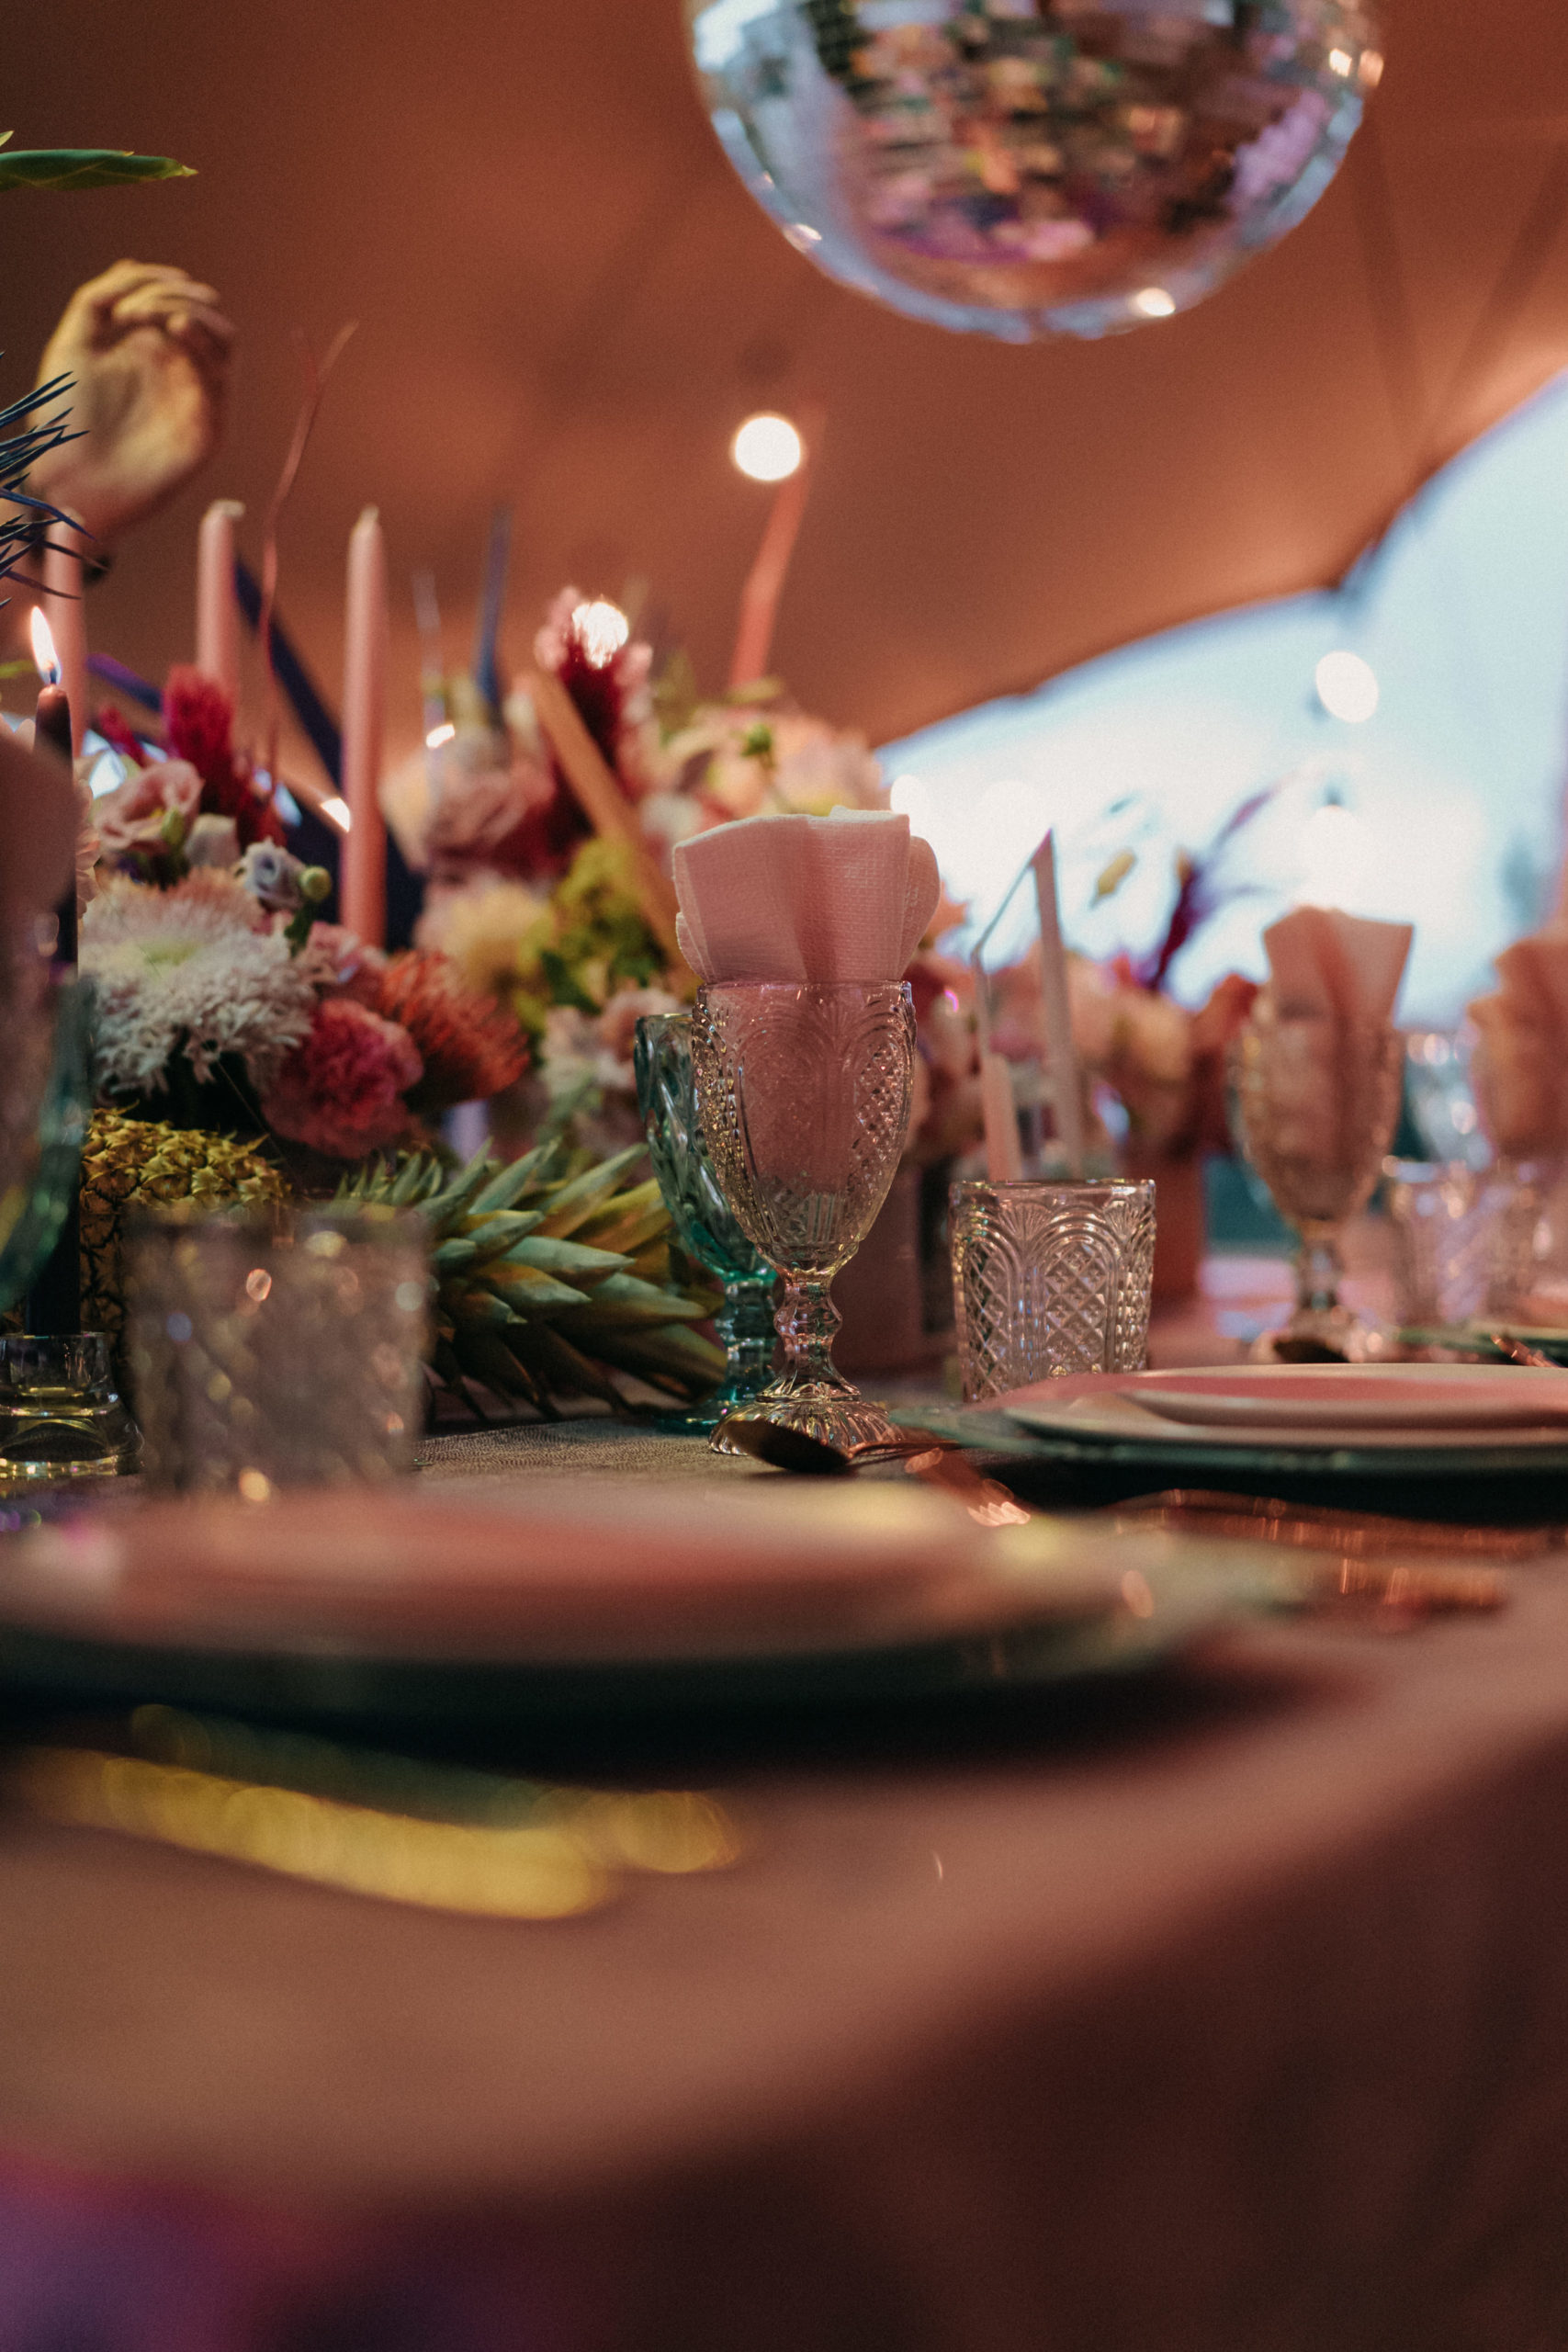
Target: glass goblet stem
1318 1269
744 1329
805 1322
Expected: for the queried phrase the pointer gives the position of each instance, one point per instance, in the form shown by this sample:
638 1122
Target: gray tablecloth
1228 2013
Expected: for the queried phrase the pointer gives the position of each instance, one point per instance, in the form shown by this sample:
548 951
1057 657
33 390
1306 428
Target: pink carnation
132 815
340 1091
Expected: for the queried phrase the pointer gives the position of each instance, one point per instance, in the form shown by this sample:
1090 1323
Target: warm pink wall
566 298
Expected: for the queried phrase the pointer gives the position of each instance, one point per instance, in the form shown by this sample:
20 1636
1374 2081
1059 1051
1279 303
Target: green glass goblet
704 1228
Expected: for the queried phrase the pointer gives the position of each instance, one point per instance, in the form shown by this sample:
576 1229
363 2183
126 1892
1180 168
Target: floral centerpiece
245 1047
536 908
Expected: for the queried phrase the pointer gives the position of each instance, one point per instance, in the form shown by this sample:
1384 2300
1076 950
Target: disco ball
1033 167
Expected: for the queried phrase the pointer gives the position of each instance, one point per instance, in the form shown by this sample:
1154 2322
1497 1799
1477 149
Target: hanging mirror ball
1033 167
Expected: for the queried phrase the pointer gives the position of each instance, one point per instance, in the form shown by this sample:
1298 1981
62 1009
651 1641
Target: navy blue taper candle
54 1302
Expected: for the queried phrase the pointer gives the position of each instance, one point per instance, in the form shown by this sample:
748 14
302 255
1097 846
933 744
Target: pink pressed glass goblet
803 1092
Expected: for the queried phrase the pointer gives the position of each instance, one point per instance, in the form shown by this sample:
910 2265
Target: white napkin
846 897
1520 1067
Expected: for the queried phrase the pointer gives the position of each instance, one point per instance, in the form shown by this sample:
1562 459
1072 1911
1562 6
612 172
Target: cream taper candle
216 612
363 896
1067 1098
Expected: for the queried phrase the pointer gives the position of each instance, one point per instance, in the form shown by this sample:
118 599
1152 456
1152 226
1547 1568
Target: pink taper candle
363 898
61 606
217 613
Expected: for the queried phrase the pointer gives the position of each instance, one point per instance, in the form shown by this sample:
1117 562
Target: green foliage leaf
84 167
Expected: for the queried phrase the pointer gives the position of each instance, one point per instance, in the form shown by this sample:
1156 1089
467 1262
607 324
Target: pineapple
130 1164
550 1285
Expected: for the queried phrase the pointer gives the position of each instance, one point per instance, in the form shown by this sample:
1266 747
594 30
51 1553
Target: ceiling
567 300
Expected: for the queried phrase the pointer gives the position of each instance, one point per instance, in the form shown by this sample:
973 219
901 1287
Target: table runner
1230 2012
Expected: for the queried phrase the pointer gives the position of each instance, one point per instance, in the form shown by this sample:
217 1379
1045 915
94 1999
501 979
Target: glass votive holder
61 1414
1050 1279
277 1350
1467 1243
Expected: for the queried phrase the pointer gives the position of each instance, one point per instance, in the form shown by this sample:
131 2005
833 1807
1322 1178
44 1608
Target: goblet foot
1324 1335
833 1416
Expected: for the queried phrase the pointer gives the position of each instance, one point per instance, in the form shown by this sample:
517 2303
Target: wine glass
1316 1104
803 1092
705 1225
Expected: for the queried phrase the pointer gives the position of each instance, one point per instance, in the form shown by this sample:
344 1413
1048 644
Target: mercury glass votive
277 1351
1050 1280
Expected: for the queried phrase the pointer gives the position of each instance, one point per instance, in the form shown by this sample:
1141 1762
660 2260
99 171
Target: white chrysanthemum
186 970
482 928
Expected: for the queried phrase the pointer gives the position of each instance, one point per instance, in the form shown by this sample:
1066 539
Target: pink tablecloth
1230 2014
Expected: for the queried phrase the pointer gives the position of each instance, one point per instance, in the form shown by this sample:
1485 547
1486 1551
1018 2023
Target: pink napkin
1332 966
845 897
1521 1067
1329 974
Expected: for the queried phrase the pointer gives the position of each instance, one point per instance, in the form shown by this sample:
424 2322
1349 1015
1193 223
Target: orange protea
471 1046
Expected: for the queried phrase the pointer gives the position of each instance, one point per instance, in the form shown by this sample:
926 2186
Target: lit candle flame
602 630
46 661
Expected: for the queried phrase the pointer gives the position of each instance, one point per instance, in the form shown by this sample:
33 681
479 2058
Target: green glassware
704 1228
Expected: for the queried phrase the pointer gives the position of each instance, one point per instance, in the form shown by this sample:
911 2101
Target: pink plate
1353 1397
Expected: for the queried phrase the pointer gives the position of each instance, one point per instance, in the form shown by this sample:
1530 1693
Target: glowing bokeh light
767 448
1346 687
1155 303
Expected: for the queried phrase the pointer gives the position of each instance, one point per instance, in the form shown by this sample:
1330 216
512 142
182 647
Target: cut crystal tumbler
1050 1279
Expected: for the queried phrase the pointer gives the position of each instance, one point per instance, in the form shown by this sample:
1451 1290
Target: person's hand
147 349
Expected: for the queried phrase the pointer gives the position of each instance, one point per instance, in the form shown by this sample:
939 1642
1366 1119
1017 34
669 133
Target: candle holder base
62 1416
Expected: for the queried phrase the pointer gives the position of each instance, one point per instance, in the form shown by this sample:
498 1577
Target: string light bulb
767 448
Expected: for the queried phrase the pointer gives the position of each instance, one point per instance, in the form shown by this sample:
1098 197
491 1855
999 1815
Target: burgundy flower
199 725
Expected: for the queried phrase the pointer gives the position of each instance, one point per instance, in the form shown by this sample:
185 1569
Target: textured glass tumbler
1464 1241
284 1352
1050 1279
1315 1104
803 1092
61 1414
703 1222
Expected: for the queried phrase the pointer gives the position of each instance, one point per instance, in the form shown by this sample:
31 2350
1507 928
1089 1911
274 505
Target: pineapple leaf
492 1235
553 1256
408 1183
564 1368
443 1207
523 1292
621 1299
577 1200
671 1351
451 1257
